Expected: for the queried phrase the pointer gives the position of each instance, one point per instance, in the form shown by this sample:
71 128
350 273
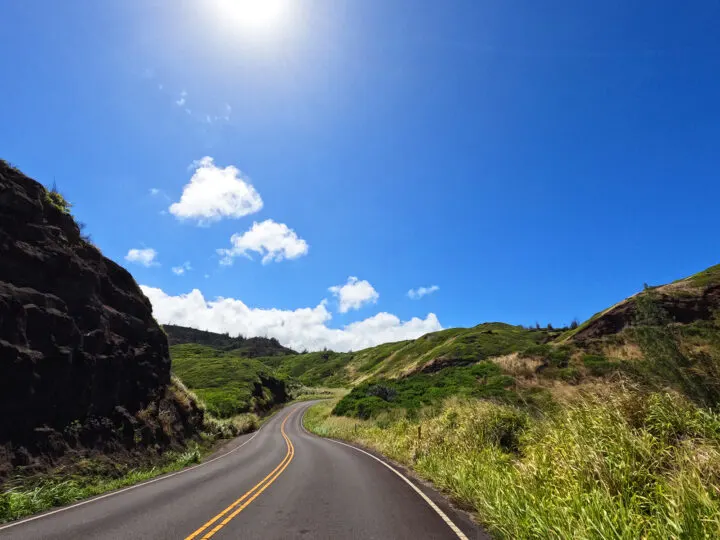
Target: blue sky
535 161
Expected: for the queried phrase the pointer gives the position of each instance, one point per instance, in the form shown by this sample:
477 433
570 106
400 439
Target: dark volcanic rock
691 305
78 343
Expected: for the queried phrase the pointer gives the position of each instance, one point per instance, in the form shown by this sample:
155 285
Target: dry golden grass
518 366
624 351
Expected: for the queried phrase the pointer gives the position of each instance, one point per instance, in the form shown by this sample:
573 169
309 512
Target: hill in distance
514 363
241 346
226 382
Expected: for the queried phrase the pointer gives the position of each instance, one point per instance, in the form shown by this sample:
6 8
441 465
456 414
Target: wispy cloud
417 294
182 269
180 102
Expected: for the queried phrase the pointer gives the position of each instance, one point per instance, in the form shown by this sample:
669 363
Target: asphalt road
282 482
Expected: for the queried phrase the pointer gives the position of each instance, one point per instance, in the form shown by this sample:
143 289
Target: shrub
598 365
57 201
385 393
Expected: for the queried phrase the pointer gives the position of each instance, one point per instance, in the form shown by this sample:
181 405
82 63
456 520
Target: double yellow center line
227 515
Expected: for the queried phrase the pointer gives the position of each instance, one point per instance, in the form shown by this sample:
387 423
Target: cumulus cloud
354 294
214 193
180 270
145 257
417 294
274 241
304 328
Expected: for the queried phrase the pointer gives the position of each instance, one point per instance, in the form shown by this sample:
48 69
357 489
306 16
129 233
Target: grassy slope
706 278
242 346
621 438
618 464
460 346
224 381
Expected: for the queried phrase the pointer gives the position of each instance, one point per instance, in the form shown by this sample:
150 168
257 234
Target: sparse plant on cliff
56 199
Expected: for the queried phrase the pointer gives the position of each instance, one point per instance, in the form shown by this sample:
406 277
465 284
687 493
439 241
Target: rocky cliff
83 364
696 298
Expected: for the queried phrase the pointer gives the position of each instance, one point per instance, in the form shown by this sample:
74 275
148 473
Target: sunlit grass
19 502
623 465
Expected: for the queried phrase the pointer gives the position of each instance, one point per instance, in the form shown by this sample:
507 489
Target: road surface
281 482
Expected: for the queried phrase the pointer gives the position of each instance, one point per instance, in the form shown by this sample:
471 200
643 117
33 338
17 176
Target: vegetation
324 368
706 278
617 464
240 346
94 474
431 352
416 391
227 384
92 478
617 436
57 200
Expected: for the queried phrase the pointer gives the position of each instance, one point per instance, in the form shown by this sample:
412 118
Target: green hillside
607 430
227 383
431 352
242 346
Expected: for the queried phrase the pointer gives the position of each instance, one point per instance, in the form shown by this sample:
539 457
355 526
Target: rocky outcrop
681 305
82 361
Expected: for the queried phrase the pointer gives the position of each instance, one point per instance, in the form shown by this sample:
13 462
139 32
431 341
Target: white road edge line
417 490
118 492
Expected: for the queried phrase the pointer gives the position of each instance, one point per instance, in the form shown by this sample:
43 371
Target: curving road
281 482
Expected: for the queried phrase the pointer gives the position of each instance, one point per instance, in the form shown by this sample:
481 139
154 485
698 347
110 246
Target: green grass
323 368
706 278
31 497
621 465
411 393
227 384
456 346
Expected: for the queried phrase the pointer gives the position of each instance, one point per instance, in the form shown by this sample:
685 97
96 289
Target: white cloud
354 294
182 100
154 191
214 193
180 270
145 257
304 328
417 294
274 241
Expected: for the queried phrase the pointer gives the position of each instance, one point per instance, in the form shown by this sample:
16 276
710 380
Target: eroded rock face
692 305
78 343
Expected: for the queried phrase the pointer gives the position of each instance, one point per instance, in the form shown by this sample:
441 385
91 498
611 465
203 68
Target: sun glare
253 14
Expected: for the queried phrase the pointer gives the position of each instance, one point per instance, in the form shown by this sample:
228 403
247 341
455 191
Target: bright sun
253 14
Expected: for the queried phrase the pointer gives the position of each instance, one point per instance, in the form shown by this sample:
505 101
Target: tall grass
623 465
50 492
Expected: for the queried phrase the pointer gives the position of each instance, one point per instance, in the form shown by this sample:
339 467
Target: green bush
57 201
482 380
599 365
554 356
